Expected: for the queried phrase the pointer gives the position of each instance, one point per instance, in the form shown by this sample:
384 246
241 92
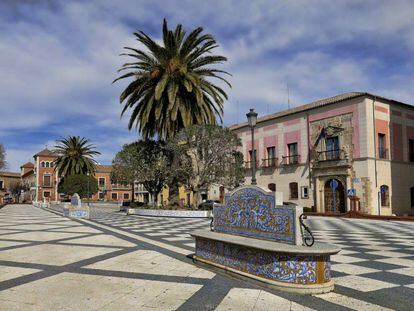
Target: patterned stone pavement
119 262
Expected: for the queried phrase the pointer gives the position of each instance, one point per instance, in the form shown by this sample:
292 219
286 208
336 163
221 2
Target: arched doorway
334 194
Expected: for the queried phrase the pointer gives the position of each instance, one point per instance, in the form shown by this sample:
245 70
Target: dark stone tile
390 277
377 265
366 256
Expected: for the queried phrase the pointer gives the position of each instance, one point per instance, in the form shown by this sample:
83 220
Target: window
385 196
46 194
271 187
1 184
382 151
101 182
47 164
293 190
43 164
47 181
332 148
101 195
293 153
304 192
412 196
114 196
411 150
271 156
126 196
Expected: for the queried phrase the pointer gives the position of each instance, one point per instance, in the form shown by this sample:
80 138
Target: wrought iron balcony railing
291 159
331 155
269 162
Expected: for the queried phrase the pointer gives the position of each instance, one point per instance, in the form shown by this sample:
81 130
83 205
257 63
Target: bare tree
3 163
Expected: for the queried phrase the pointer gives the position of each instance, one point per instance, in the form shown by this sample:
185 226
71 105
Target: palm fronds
171 89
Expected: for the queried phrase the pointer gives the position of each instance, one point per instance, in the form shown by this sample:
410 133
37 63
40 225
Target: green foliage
147 162
3 163
171 88
75 156
211 155
78 184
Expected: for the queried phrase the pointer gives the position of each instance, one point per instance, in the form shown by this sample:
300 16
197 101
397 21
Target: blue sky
58 59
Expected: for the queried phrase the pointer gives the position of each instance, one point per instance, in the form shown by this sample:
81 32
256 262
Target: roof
28 164
45 152
10 174
320 103
104 168
28 173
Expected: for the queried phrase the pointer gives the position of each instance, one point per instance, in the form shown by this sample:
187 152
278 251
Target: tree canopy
148 162
78 183
171 87
212 152
3 163
75 156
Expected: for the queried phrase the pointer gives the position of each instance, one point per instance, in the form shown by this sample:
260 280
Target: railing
331 155
248 164
382 153
291 159
47 185
269 162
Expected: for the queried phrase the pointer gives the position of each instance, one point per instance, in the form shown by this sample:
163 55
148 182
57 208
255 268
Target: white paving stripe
352 303
140 238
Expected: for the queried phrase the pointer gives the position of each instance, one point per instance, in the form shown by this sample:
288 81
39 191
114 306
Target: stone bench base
286 267
76 212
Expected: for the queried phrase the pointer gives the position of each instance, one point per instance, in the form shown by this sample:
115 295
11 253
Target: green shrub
307 209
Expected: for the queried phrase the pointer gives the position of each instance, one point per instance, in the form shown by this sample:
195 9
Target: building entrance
334 194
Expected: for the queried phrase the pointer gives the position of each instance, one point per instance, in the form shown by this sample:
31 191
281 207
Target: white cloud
58 61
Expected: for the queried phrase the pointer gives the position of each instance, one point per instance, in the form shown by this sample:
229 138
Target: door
334 194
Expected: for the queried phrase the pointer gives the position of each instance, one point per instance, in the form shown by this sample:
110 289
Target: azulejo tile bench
76 209
255 238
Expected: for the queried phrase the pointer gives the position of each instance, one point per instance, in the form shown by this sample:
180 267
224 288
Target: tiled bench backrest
251 211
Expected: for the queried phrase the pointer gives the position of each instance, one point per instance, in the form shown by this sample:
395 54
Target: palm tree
75 156
171 88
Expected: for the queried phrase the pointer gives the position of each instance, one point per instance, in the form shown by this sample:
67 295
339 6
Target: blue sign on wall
351 192
334 184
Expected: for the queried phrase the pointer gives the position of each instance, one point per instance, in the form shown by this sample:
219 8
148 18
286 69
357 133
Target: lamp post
252 119
88 187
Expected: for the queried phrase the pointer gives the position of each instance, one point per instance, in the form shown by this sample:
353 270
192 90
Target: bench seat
293 268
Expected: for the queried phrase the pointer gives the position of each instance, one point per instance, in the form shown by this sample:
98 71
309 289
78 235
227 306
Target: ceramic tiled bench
255 238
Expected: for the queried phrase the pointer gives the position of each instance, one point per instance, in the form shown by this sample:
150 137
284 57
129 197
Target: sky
58 60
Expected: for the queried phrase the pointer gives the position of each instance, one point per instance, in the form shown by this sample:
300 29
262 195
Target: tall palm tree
75 156
171 89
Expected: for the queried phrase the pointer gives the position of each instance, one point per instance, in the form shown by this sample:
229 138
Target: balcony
270 162
331 158
331 155
382 153
291 159
47 185
248 165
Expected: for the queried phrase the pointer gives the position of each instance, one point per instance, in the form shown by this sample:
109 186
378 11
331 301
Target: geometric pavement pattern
119 262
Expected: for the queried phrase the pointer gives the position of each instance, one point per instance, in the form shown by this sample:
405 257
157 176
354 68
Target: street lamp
252 119
88 187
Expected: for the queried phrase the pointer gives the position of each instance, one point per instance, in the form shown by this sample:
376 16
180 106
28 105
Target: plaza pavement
119 262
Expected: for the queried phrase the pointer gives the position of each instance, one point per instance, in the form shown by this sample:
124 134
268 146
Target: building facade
28 181
44 181
7 181
354 149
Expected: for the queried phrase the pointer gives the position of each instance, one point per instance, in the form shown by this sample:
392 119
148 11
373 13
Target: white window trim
302 192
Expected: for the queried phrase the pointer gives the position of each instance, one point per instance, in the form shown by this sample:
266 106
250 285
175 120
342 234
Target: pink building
329 153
